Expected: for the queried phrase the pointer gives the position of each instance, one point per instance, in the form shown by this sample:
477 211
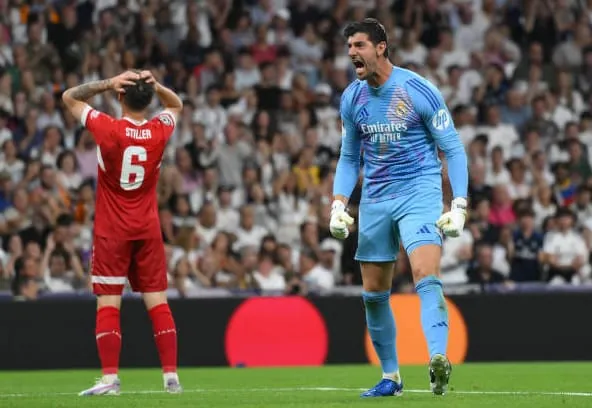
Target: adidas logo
441 324
364 113
424 230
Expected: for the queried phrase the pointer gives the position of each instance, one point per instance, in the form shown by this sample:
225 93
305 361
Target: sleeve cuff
172 115
84 115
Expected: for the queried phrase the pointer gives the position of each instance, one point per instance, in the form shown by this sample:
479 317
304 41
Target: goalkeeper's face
364 55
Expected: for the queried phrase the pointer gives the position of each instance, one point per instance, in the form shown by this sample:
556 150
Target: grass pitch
472 385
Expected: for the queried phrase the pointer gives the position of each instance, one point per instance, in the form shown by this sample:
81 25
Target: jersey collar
135 122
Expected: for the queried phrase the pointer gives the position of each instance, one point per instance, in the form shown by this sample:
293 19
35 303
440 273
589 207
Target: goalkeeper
399 120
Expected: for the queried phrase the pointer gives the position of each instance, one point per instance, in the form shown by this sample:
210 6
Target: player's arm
76 98
168 98
347 172
430 105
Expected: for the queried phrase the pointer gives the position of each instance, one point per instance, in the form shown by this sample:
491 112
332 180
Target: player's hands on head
148 76
340 220
452 222
128 78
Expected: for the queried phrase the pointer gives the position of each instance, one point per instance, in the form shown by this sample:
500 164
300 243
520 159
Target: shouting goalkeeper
399 120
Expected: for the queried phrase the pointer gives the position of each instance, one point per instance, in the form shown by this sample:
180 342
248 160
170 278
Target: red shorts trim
141 262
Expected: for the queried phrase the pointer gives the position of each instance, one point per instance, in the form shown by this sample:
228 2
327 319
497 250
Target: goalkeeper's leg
425 261
378 246
422 242
381 326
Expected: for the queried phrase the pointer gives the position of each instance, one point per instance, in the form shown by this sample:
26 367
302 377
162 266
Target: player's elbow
68 99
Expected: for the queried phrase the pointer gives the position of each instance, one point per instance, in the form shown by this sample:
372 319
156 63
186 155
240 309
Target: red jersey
129 156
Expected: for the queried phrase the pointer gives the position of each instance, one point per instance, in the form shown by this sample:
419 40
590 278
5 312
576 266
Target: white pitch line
320 389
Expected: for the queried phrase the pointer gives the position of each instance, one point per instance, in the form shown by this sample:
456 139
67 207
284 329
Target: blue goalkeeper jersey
397 129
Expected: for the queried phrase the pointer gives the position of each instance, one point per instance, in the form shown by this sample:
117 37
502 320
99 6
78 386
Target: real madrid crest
401 109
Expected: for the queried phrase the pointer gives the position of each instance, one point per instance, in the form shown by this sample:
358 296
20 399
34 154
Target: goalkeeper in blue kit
397 120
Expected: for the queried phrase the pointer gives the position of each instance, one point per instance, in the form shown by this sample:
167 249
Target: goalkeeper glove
452 223
340 220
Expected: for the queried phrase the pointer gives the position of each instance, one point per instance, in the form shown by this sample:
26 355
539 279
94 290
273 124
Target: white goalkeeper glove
452 223
340 220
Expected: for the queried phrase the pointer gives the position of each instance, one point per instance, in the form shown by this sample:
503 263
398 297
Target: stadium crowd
247 179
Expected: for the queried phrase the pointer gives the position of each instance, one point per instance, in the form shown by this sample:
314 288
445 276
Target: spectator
267 275
483 273
518 188
186 278
248 232
207 225
502 212
565 251
569 54
525 250
329 257
497 172
456 254
57 277
316 277
543 204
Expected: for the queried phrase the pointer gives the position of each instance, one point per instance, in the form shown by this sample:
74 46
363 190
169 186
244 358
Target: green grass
490 386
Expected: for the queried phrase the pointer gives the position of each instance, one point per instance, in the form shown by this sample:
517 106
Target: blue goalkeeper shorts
409 218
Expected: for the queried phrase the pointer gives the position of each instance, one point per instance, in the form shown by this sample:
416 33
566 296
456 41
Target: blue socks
381 326
434 314
381 323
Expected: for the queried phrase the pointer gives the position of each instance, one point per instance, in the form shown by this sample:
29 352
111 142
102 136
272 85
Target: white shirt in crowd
206 234
565 246
453 270
273 282
319 278
252 237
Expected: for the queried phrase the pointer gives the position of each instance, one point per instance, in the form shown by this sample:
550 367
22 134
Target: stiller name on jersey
138 134
381 132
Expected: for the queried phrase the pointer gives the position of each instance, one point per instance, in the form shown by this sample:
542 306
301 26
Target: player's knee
108 301
423 271
425 261
375 286
153 299
377 276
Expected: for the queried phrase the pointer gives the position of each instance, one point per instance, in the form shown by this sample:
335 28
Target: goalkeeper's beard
371 70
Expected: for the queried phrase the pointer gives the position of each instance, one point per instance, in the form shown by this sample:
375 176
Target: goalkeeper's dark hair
137 97
371 27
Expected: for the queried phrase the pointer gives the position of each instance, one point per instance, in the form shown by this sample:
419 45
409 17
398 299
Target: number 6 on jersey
132 175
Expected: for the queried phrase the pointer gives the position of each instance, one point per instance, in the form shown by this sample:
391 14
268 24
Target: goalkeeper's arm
346 177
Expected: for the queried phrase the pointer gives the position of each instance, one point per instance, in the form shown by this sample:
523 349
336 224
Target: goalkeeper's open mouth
359 66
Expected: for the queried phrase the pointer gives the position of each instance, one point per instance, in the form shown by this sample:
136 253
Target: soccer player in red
127 242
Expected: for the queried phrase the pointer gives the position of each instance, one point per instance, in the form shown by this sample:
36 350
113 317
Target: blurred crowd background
246 182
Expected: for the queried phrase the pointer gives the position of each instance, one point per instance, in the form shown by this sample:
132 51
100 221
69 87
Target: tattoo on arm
86 91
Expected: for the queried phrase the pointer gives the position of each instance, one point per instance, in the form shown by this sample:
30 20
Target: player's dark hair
371 27
137 97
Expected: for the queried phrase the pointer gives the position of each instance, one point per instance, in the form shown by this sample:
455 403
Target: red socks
165 336
108 335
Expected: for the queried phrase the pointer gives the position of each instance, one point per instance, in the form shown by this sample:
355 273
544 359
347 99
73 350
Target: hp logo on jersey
441 120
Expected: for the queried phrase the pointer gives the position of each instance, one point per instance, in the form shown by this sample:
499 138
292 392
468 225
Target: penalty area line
313 389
